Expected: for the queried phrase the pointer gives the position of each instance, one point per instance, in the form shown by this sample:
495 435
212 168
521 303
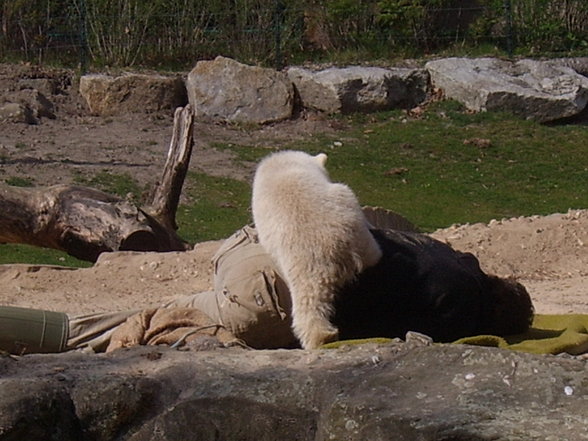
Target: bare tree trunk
166 197
85 222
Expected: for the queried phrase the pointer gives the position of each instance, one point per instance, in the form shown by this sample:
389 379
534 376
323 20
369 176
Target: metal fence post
83 38
278 17
509 28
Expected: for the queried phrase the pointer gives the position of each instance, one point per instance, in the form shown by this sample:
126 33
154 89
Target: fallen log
85 222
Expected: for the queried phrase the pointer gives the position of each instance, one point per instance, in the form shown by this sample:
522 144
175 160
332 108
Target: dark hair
510 310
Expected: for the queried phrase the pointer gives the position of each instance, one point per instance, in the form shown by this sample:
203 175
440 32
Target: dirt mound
533 248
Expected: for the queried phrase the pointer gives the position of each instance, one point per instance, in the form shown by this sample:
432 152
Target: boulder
132 93
15 112
226 90
359 89
47 86
536 90
356 392
26 105
579 64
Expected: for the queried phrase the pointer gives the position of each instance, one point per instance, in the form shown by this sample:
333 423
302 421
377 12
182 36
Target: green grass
245 153
17 181
528 169
19 253
117 184
220 206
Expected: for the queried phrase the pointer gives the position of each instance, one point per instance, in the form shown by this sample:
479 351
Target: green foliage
118 29
549 26
176 33
33 28
412 21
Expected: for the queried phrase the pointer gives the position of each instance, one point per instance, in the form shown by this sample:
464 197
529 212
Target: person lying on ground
420 284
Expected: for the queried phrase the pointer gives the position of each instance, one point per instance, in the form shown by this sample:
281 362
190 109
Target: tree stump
85 222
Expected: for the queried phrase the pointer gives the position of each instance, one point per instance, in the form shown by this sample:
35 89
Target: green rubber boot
26 331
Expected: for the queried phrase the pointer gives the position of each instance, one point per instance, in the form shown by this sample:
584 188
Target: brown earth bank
549 254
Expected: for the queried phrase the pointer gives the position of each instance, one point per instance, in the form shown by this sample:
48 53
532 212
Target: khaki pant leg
94 330
204 301
26 330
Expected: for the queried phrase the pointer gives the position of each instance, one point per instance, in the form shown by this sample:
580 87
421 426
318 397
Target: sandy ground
548 254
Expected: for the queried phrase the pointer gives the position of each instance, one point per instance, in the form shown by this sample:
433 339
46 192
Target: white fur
315 231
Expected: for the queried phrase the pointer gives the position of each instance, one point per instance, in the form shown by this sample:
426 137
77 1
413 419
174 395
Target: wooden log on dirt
85 222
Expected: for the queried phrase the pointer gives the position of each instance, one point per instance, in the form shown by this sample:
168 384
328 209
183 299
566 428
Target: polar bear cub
315 231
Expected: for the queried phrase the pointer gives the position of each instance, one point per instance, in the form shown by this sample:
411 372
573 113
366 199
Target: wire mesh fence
176 33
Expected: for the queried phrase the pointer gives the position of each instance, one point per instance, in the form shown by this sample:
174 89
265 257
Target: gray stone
359 89
15 112
226 90
535 90
132 93
27 105
47 86
579 64
357 392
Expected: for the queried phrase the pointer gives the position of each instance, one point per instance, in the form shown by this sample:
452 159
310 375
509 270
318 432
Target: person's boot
25 331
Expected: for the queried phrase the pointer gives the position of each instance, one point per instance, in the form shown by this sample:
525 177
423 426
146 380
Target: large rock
46 86
15 112
368 392
27 105
359 89
579 64
226 90
536 90
132 93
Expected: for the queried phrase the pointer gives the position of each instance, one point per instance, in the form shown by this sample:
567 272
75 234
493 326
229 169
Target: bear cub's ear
321 159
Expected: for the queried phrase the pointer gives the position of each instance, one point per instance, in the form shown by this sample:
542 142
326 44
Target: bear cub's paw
318 334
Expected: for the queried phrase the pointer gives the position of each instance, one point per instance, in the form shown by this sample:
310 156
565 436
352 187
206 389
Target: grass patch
422 169
221 206
528 168
117 184
20 253
17 181
245 153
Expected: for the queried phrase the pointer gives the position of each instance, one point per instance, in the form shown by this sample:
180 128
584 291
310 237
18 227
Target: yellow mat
549 334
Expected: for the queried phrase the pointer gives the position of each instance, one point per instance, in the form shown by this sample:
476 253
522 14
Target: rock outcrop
135 93
535 90
224 89
359 89
377 392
